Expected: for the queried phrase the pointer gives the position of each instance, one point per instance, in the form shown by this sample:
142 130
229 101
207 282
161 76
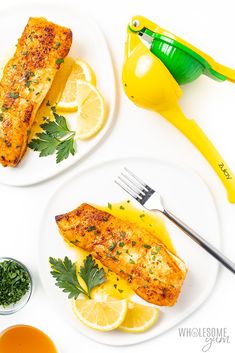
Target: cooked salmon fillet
136 255
26 80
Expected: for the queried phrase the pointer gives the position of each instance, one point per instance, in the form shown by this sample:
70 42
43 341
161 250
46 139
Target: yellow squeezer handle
195 134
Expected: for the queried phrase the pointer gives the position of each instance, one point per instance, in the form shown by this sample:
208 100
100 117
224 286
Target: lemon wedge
91 110
102 315
80 71
139 318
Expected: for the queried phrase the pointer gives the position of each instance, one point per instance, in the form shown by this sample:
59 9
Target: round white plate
88 44
185 194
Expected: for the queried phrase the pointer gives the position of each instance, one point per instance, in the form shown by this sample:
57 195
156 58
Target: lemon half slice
101 315
139 318
91 110
80 71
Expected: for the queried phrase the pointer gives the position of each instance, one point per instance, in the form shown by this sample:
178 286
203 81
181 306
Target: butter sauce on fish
132 252
26 79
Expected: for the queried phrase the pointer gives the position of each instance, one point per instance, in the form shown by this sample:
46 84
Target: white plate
88 44
185 195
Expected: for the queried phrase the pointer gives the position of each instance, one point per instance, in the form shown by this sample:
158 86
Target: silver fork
152 201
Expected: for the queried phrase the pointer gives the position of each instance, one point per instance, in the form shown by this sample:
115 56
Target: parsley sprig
55 138
65 273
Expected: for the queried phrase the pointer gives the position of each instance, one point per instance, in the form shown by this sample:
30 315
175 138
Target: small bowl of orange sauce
26 339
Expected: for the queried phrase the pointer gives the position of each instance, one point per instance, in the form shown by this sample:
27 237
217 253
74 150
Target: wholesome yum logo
211 335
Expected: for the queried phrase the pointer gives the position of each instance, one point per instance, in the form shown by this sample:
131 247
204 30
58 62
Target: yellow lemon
139 318
91 110
103 315
80 71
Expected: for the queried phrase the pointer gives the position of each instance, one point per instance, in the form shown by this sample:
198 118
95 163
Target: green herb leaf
14 95
91 274
147 246
91 228
59 61
50 141
45 144
64 149
57 45
57 128
64 271
113 246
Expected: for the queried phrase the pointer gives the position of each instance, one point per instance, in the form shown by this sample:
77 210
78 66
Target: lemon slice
91 110
80 71
102 315
139 318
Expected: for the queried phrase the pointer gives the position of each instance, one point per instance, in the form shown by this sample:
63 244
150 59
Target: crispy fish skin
26 80
136 255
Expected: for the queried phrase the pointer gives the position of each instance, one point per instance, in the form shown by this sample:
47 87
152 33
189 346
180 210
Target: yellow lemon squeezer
156 62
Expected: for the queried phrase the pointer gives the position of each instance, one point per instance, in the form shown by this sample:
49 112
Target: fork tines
134 186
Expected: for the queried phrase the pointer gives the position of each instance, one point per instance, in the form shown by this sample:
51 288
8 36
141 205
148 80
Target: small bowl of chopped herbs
15 285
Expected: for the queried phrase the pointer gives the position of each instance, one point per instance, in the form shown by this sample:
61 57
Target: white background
209 25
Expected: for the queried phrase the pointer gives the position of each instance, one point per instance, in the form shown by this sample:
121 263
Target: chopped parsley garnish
113 246
122 208
57 45
14 95
28 74
131 261
25 53
109 205
28 83
147 246
121 244
65 273
15 282
59 61
133 243
158 248
31 36
55 138
74 242
91 228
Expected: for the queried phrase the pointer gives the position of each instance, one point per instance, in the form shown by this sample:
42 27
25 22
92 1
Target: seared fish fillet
136 255
26 80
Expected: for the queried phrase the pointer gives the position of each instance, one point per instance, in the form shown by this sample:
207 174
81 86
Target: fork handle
201 241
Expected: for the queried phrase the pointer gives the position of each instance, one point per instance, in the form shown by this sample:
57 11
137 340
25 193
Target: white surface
32 168
182 190
210 26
